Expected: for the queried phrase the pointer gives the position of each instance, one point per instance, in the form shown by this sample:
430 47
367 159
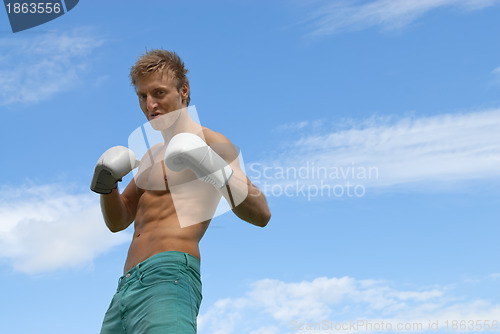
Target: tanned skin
156 223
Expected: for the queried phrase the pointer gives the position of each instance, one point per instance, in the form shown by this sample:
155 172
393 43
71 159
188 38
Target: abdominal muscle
157 229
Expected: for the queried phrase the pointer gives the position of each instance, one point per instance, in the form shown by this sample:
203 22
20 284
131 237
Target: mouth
154 115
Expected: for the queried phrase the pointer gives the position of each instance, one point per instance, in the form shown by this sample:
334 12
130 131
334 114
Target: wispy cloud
496 74
416 151
274 306
44 228
292 126
334 16
36 67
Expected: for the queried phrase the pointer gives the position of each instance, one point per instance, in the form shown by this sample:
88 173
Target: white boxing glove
111 167
186 150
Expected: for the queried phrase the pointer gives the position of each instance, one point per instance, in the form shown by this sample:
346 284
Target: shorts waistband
180 258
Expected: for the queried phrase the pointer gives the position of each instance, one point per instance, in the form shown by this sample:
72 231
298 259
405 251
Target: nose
151 103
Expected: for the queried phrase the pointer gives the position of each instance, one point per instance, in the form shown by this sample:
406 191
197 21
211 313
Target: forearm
246 200
116 215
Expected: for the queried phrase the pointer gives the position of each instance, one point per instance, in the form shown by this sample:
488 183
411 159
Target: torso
157 230
158 224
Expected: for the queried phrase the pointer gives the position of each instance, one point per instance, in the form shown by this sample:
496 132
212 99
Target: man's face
158 95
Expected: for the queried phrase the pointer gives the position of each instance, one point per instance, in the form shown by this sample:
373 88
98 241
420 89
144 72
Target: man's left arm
253 208
246 200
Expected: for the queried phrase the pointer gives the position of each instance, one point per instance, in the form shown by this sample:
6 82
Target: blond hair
160 61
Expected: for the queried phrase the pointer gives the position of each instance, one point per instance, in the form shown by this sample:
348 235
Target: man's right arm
119 210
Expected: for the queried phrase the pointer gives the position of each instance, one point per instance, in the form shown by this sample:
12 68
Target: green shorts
160 295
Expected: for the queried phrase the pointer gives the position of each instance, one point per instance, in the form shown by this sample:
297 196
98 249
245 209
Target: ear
184 91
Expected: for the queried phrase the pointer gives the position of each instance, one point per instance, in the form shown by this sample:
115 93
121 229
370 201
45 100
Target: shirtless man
171 199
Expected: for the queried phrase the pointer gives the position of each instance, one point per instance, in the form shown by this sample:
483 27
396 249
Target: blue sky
409 90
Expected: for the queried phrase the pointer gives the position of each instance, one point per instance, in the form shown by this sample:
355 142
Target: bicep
223 147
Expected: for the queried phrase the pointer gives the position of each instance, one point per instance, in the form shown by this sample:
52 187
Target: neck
183 123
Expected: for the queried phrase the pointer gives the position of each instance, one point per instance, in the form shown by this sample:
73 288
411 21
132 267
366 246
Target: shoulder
220 144
213 137
156 149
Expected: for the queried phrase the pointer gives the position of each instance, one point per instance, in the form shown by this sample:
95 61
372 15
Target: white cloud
292 126
274 306
266 330
496 74
35 68
224 316
45 228
336 16
495 276
425 152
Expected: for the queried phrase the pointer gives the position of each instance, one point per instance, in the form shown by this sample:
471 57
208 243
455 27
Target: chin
163 121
